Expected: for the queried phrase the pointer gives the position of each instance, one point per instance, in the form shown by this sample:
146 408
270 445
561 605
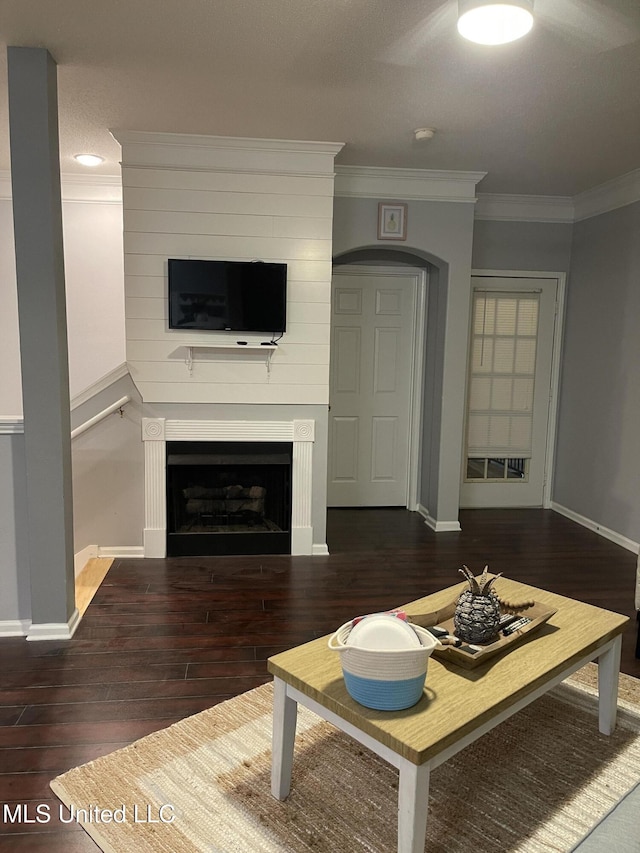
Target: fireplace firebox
228 498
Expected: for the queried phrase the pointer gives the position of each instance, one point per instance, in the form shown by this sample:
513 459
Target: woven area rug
537 783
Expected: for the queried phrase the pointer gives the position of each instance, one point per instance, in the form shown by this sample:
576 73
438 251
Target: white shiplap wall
234 199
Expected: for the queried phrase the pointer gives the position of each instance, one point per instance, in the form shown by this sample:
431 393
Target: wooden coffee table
458 705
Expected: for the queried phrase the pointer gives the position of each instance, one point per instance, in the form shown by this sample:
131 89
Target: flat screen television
239 296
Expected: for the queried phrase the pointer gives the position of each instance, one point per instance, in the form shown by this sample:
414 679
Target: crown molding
611 195
186 151
524 208
432 185
247 143
615 193
102 189
371 182
400 184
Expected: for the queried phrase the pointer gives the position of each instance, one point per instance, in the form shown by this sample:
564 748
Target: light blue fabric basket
385 680
385 695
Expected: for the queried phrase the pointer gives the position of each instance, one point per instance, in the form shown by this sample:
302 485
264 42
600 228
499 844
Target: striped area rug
535 784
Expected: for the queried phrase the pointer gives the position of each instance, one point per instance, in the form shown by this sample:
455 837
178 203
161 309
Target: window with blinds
502 372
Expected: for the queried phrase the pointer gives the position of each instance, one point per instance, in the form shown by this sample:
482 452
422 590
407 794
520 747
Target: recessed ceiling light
89 159
488 22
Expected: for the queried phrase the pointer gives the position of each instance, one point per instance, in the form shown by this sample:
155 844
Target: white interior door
372 349
508 391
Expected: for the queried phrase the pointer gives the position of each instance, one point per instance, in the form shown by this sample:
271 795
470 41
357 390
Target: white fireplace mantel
157 431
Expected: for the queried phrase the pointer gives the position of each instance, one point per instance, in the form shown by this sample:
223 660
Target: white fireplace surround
157 431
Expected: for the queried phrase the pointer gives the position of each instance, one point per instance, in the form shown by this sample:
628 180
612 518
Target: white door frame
556 360
417 362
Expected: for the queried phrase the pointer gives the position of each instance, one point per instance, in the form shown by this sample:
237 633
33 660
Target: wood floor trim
89 580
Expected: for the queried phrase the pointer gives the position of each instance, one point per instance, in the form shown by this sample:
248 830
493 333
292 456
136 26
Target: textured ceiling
554 114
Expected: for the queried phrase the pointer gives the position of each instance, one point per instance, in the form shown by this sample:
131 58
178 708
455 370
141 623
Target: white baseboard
82 558
422 510
133 552
15 627
438 526
128 552
55 630
605 532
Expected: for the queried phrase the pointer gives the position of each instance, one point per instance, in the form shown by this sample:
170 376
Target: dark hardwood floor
163 639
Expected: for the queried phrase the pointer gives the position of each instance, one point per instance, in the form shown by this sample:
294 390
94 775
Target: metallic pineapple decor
477 615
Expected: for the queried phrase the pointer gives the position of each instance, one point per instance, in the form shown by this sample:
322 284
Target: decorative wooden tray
470 658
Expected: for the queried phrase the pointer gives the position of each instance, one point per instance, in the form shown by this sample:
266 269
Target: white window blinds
503 361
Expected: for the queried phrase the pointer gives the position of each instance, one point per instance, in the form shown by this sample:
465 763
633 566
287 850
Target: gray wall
598 450
531 246
432 400
440 233
108 472
15 584
10 385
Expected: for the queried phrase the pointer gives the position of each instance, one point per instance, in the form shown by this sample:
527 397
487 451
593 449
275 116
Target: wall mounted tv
239 296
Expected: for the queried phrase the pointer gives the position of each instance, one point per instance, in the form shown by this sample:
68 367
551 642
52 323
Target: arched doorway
386 357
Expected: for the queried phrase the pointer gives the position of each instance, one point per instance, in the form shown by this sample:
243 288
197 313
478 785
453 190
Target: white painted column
155 495
302 466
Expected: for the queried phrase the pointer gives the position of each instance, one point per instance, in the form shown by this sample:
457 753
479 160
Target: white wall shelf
231 349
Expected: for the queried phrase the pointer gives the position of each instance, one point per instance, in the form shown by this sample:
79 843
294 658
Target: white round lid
382 631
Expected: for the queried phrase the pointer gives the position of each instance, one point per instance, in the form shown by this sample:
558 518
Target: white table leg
413 803
285 713
608 673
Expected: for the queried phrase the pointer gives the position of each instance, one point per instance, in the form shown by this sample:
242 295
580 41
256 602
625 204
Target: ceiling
553 114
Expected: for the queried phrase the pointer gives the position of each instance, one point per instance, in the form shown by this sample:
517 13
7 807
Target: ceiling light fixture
422 133
488 22
89 159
